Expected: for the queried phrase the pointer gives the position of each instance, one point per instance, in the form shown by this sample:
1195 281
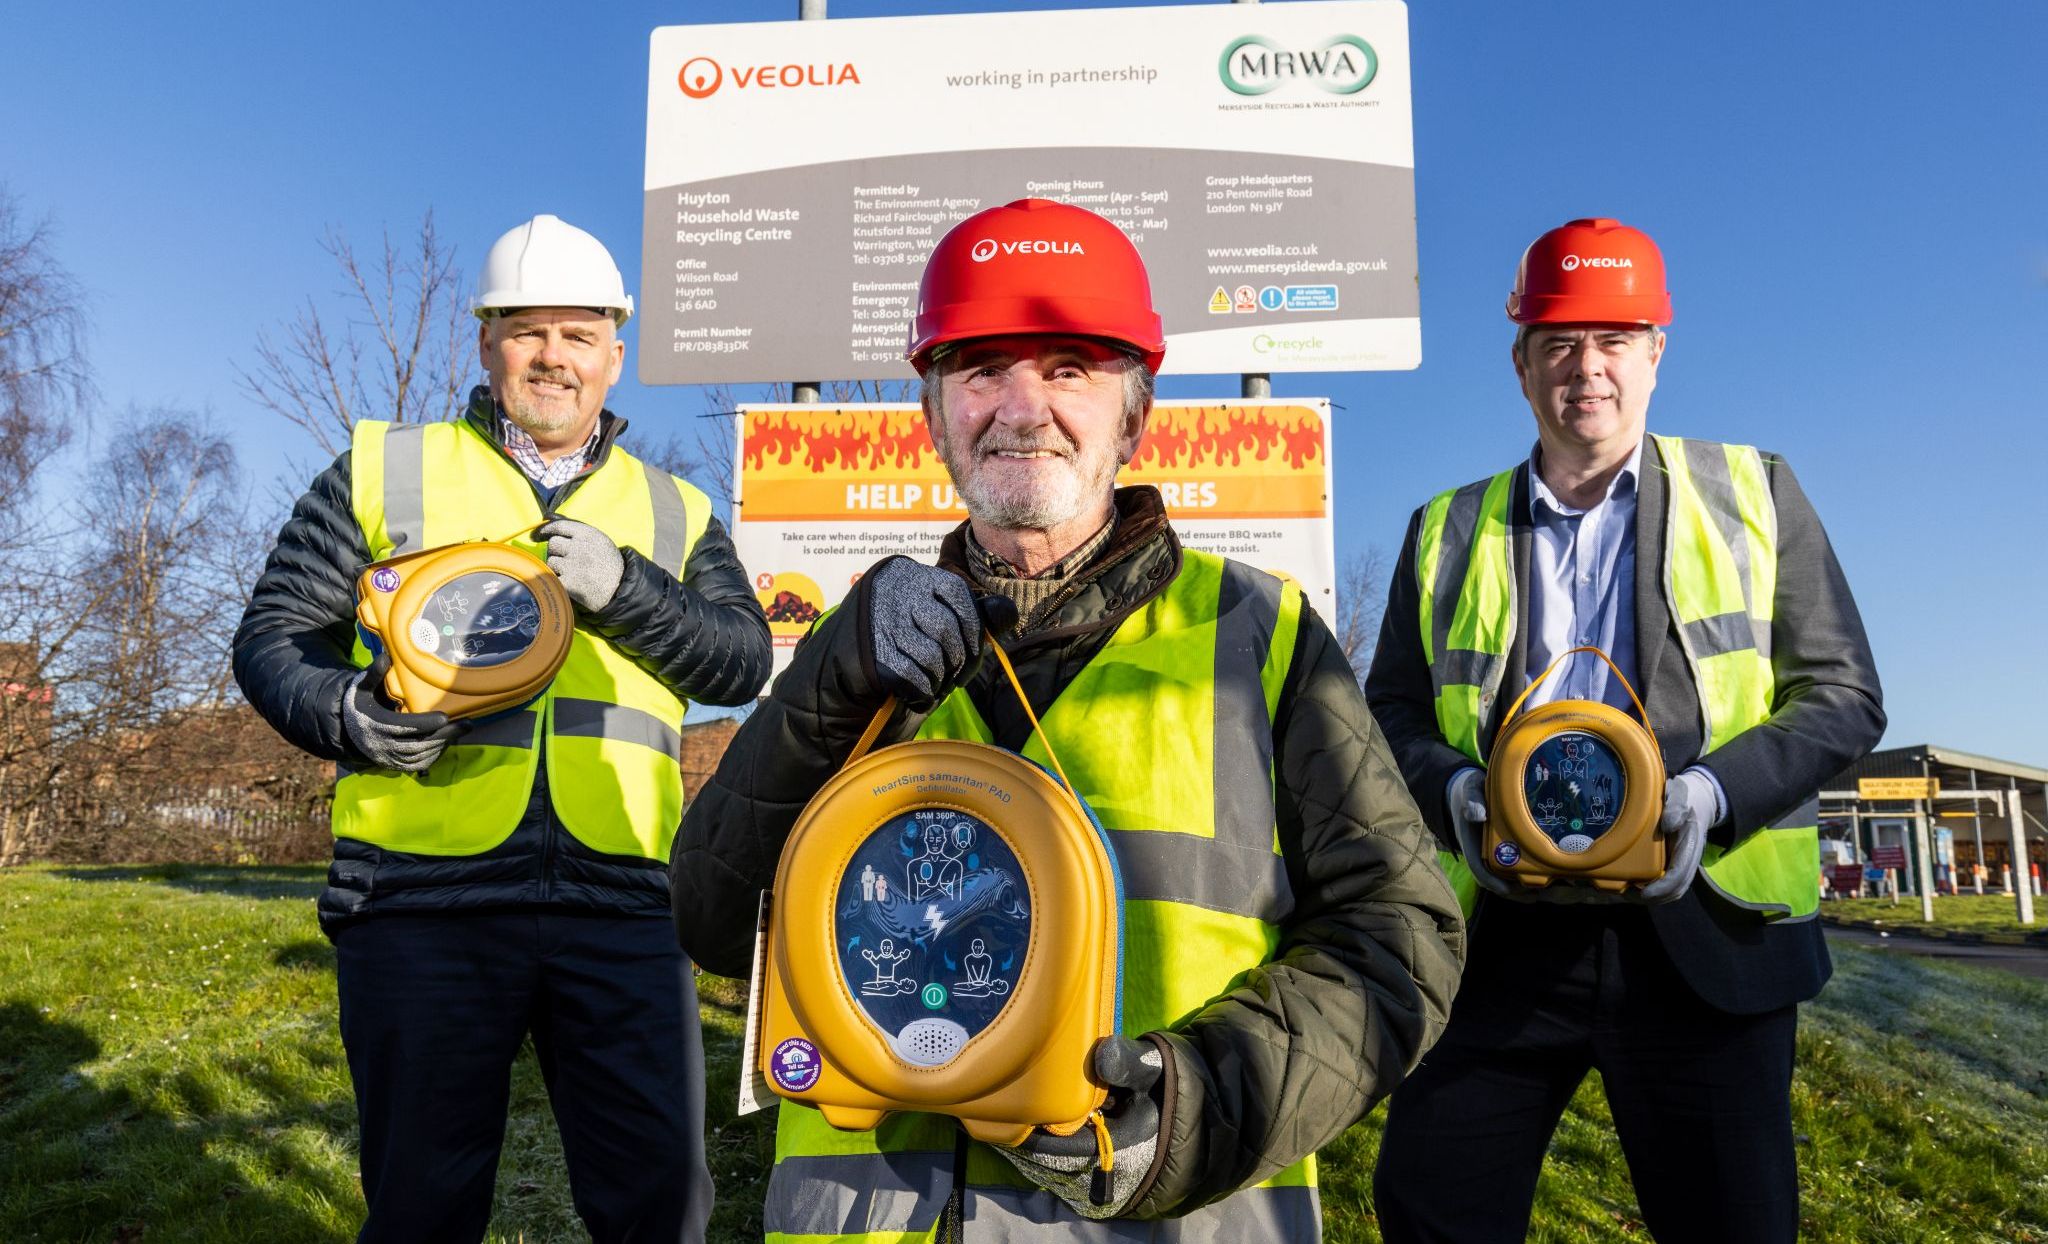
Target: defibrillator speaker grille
929 1042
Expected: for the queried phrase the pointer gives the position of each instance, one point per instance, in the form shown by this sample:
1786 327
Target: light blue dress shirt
1582 583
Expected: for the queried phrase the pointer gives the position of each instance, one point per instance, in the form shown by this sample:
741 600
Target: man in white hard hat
506 877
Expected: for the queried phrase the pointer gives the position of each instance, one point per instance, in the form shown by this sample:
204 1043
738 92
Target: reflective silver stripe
848 1194
671 521
1462 667
405 487
1002 1215
1187 868
597 719
853 1194
1241 751
1707 461
1453 563
1721 634
511 730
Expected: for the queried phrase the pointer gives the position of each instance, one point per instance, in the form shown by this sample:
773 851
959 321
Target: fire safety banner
1261 157
822 493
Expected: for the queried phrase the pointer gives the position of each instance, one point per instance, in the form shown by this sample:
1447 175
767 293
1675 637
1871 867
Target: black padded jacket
704 637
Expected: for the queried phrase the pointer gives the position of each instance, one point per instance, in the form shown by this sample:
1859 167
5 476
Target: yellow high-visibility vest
1167 733
1720 578
612 732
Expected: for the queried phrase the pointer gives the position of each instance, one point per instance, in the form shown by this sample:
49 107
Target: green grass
169 1071
1988 913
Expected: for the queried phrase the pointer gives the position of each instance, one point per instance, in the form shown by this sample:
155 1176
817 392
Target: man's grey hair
1526 331
1138 387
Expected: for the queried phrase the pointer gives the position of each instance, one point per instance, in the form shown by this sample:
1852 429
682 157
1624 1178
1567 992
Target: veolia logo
1254 65
989 248
1572 263
701 76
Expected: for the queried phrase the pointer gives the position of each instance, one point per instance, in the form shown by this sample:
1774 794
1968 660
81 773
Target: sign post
2019 880
824 492
1260 157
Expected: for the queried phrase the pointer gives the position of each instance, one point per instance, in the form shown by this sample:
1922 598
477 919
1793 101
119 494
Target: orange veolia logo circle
700 76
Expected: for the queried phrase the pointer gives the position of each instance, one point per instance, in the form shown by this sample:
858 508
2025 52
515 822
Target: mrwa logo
1254 65
700 77
989 248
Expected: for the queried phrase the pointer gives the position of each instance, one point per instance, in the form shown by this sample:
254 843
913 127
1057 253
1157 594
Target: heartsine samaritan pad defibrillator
1574 790
472 628
945 937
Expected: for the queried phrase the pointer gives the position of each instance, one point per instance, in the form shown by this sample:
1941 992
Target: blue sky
1850 197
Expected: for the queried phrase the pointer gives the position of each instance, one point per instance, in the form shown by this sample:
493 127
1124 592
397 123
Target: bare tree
119 726
397 346
45 384
707 452
1361 602
45 390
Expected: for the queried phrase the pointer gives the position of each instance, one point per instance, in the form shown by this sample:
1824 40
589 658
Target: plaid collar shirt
523 451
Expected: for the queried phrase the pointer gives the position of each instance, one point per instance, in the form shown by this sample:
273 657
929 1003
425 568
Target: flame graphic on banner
1177 438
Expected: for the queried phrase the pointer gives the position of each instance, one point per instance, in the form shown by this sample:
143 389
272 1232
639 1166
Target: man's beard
535 415
1079 484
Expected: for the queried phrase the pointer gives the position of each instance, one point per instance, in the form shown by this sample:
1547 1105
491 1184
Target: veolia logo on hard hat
701 76
989 248
1341 65
1572 263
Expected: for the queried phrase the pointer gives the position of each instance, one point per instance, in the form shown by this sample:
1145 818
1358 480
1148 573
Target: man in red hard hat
1703 572
1289 941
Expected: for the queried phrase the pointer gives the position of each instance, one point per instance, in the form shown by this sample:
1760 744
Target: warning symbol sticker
1219 302
1247 298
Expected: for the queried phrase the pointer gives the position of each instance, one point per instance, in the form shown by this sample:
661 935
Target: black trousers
1701 1099
433 1011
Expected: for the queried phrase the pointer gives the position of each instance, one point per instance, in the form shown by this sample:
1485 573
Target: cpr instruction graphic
1260 156
822 493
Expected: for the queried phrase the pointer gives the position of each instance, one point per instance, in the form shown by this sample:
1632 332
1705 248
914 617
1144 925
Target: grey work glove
1468 816
386 736
1689 811
1069 1167
585 559
924 628
1467 802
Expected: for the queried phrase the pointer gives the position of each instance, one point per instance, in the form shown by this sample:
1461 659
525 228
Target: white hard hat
548 263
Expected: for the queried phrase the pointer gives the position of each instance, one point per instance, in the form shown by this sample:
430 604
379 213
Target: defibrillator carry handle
1642 714
888 710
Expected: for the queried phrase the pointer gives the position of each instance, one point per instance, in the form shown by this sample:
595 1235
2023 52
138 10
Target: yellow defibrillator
1574 790
944 936
472 628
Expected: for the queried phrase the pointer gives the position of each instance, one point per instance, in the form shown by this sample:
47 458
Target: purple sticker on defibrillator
385 579
1506 854
795 1064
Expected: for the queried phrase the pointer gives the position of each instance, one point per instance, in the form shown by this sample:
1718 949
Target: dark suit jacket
1827 713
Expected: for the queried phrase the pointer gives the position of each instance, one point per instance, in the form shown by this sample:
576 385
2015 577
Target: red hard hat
1595 271
1035 266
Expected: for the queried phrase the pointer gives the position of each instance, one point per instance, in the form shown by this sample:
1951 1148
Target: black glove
1069 1167
387 737
924 629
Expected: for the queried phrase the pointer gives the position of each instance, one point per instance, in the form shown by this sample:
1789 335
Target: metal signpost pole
807 390
1254 383
1977 828
1923 840
2020 883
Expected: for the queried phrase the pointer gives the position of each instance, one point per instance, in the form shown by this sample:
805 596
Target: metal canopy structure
1996 812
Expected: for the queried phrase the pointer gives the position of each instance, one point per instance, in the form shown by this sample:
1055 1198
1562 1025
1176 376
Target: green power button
934 996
